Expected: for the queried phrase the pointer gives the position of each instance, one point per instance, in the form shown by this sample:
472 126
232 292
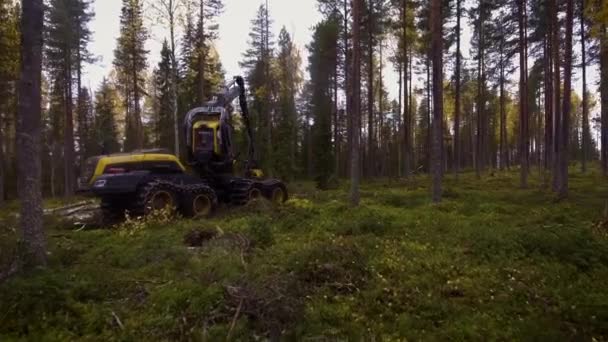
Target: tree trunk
437 52
586 133
458 95
429 128
548 102
604 99
2 171
201 54
68 134
407 160
523 95
370 95
400 120
479 160
29 133
336 124
503 112
355 101
556 90
139 133
347 86
171 13
565 124
82 125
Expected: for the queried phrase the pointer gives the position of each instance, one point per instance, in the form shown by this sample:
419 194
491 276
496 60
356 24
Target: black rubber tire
191 195
148 192
270 186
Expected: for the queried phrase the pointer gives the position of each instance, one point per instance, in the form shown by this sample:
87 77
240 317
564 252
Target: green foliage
164 134
106 107
497 264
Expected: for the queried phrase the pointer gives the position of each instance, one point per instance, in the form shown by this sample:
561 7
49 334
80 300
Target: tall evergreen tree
130 60
257 61
322 63
289 82
106 131
163 78
208 11
67 36
169 11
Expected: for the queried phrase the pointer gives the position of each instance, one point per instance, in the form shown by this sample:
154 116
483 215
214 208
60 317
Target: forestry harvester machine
144 181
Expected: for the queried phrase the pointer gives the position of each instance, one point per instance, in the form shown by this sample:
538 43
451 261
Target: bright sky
298 16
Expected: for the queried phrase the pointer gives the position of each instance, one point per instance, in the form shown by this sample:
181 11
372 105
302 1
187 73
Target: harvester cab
208 132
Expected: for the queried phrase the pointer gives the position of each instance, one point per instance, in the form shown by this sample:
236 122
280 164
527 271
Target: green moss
491 262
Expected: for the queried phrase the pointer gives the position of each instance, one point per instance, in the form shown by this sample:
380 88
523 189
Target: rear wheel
278 194
274 190
199 201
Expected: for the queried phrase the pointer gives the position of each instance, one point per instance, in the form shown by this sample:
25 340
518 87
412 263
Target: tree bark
548 102
458 95
407 160
437 52
201 54
604 99
68 134
565 124
29 133
556 91
347 86
171 13
586 133
479 161
355 101
523 96
429 128
370 94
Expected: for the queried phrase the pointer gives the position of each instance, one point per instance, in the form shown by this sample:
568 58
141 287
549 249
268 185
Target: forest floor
492 262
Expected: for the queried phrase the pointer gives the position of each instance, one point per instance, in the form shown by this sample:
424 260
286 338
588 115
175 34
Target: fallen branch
117 319
234 319
68 207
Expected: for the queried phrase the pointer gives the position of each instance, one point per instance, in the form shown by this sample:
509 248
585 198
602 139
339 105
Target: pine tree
163 78
201 38
257 61
322 63
190 64
130 60
106 131
289 81
169 11
64 45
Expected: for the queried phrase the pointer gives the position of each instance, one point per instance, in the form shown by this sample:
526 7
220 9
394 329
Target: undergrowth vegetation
499 264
